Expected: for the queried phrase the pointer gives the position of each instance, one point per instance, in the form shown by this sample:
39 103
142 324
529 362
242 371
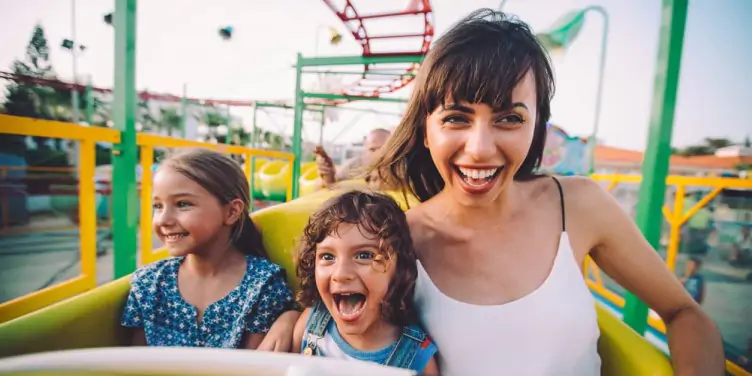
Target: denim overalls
411 342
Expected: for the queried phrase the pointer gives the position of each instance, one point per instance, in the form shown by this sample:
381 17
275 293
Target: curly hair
375 214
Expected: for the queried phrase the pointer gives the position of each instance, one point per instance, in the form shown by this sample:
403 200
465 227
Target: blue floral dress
155 304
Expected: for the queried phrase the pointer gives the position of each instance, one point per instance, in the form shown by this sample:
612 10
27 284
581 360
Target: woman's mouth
478 180
349 305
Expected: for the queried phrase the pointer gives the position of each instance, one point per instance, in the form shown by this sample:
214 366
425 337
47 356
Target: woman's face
478 149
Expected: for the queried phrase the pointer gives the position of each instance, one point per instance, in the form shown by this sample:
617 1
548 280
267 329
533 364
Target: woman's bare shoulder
583 194
420 229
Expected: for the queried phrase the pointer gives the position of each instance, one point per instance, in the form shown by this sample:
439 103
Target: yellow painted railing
676 218
147 142
87 137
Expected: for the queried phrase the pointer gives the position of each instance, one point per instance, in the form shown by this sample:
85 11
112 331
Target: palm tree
169 120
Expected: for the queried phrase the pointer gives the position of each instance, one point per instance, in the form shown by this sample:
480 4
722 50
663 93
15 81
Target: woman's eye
156 206
454 119
183 204
513 118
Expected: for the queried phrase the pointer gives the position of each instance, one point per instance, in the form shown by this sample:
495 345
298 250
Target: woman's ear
425 131
236 209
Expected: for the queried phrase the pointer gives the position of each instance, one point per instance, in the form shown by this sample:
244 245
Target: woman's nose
480 144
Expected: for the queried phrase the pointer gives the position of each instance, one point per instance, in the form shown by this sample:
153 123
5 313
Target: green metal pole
125 213
254 135
253 183
297 137
656 161
89 103
183 110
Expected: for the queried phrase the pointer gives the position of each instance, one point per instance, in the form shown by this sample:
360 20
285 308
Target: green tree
169 120
28 99
708 147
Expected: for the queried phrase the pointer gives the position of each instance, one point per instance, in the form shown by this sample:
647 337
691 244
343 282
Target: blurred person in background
354 167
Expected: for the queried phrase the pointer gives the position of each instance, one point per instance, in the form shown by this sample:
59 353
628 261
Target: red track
368 84
356 24
145 95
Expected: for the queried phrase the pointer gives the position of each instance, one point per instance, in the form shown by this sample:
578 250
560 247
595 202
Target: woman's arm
279 337
617 246
252 340
299 331
139 337
431 369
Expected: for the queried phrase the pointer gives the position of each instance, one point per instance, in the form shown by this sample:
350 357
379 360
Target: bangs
478 71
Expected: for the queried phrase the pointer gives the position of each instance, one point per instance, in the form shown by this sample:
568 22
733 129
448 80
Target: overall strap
315 328
407 347
561 197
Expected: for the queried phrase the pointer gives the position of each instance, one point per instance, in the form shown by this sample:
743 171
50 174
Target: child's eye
364 255
326 257
183 204
156 206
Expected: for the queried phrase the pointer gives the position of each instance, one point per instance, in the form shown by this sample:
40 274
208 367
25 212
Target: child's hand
279 338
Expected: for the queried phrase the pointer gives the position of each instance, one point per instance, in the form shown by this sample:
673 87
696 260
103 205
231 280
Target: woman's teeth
478 174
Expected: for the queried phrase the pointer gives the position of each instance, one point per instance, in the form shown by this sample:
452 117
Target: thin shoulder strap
561 197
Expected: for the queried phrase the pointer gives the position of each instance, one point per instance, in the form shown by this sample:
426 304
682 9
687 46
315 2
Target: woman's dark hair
224 179
377 216
481 59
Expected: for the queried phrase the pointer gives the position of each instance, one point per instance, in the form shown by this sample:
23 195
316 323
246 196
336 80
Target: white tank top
551 331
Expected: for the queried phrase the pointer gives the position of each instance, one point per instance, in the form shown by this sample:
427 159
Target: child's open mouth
349 305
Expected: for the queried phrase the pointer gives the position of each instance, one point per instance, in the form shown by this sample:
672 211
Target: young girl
357 272
218 289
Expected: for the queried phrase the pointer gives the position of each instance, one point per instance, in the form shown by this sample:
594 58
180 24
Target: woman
501 249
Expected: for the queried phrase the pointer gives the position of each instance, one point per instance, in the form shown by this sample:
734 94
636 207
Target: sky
178 44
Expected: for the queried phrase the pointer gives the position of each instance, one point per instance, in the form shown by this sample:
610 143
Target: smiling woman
500 248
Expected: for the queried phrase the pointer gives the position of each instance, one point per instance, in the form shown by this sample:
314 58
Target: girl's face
186 217
351 280
478 149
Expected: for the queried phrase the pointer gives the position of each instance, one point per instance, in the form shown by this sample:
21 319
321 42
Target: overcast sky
178 43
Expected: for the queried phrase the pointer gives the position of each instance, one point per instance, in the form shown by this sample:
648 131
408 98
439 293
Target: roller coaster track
143 95
373 82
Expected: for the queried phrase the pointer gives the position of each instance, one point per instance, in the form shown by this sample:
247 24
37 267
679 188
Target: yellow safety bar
87 137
